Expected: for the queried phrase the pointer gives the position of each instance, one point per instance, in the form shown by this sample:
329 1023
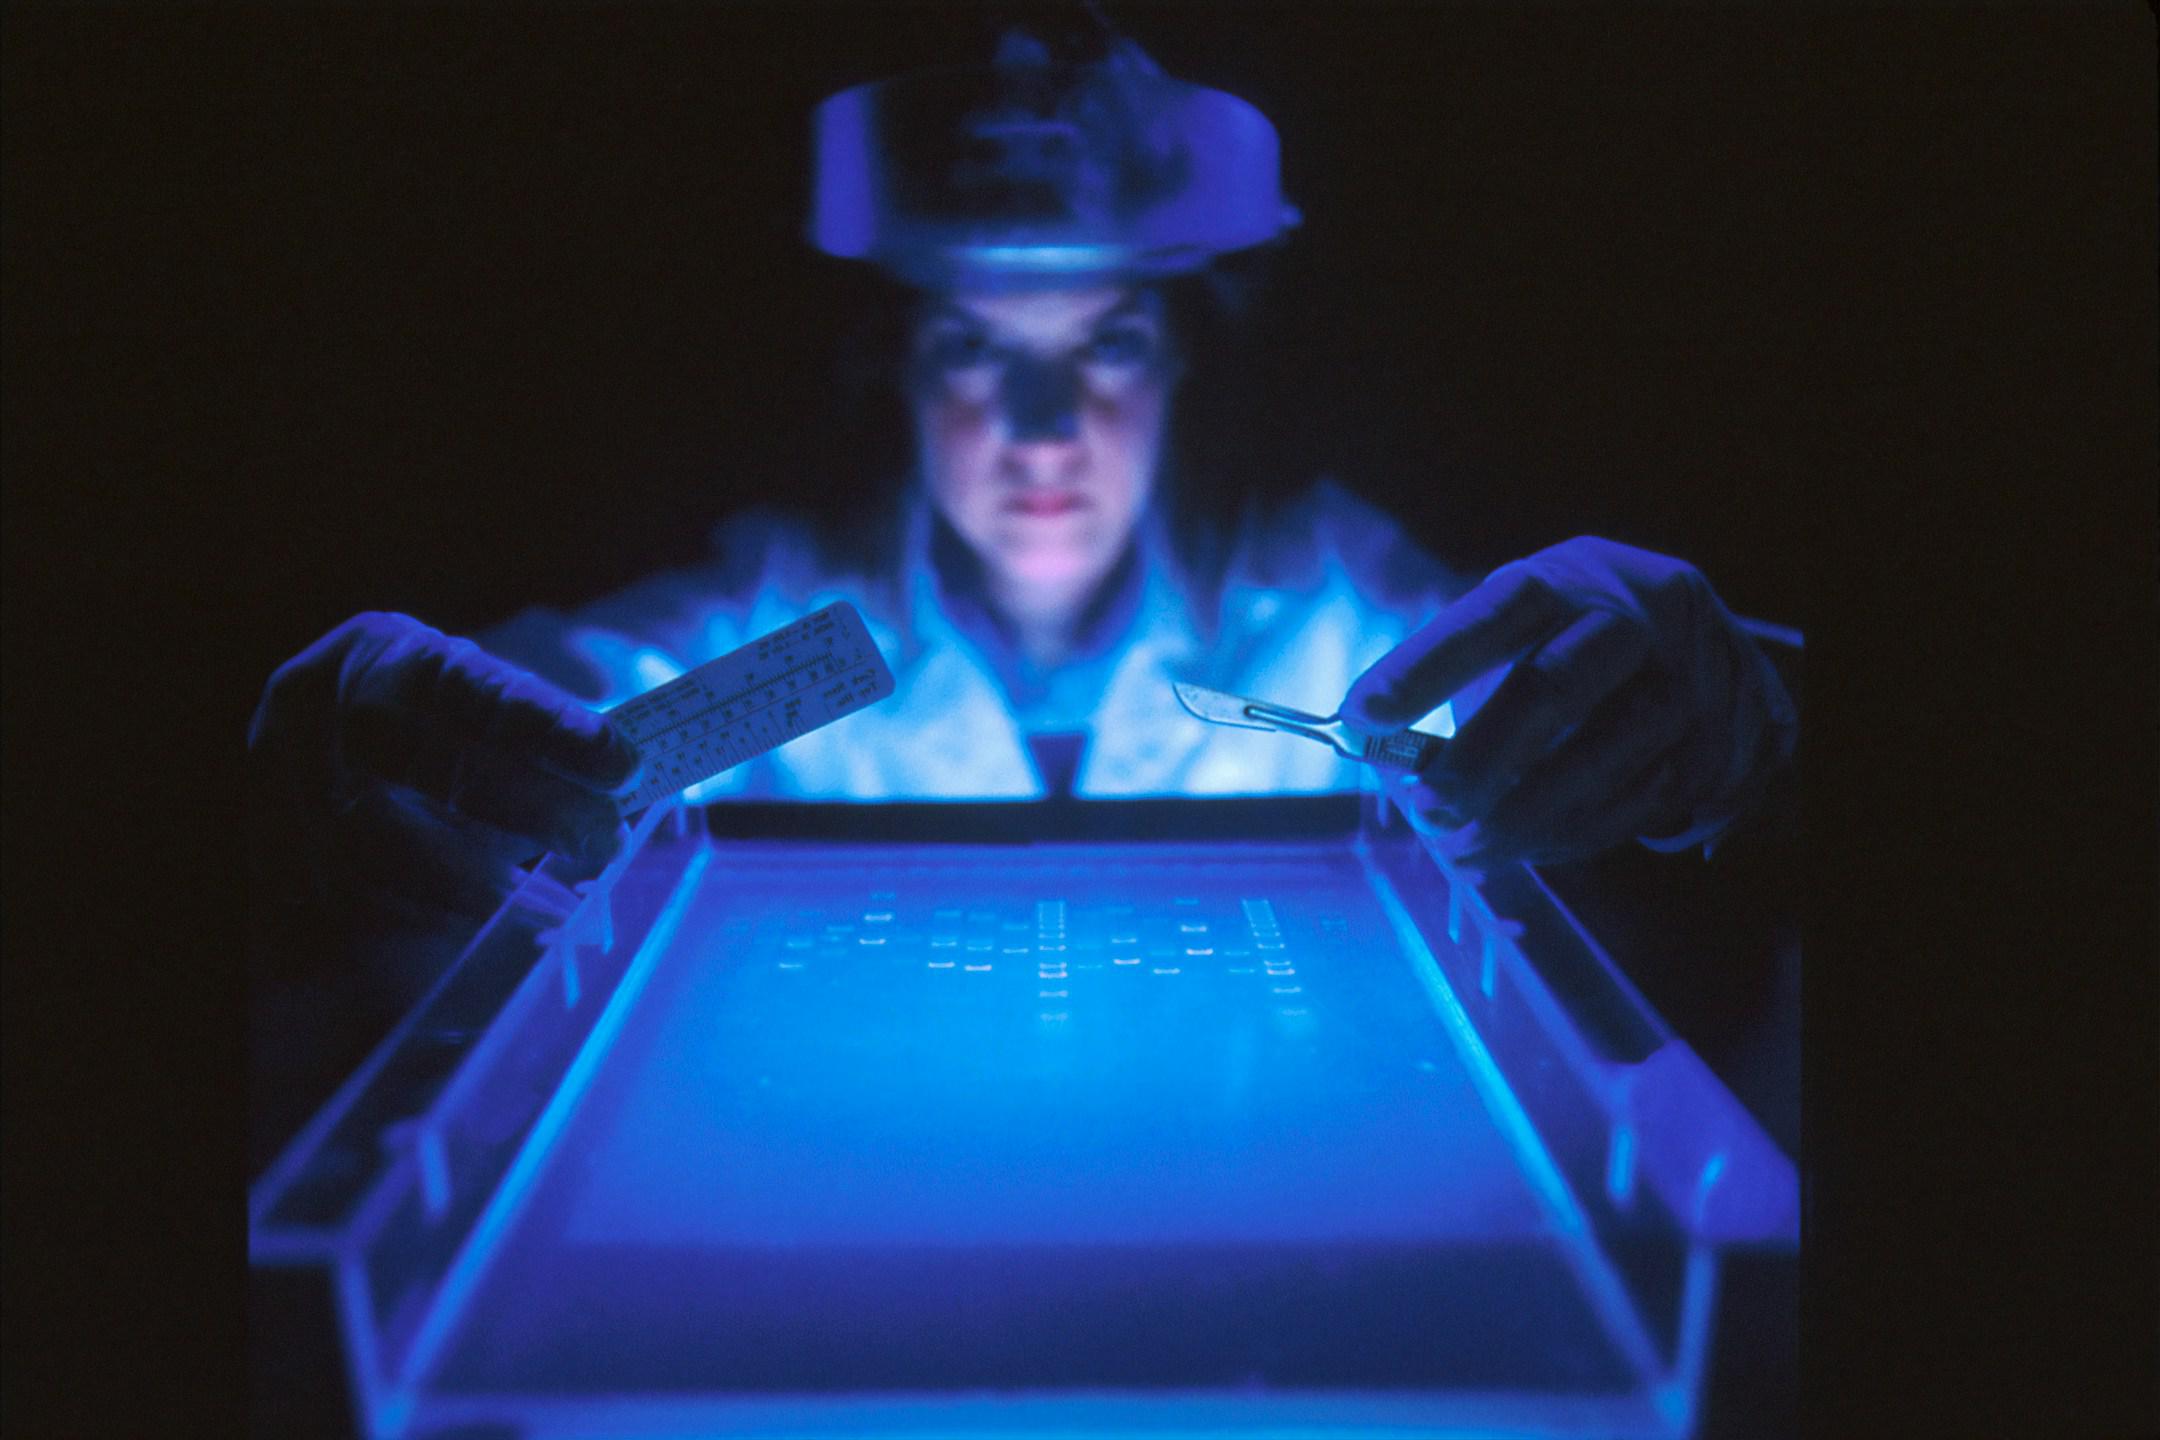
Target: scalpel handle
1404 750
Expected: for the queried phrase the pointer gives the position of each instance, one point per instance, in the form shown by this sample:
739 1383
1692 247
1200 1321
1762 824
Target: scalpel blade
1219 707
1403 750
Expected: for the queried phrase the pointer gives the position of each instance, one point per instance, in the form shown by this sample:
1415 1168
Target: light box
1163 1117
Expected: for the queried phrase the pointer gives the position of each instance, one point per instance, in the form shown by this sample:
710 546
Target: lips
1045 503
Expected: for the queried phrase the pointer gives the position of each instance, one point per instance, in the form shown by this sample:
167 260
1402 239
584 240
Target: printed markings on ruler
800 678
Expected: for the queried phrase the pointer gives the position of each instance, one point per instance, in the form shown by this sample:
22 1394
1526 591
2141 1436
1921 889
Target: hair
1231 447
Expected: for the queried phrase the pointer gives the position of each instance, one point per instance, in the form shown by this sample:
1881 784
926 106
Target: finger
1456 841
1544 697
1635 810
555 814
1426 811
1507 613
1634 727
543 726
1591 829
401 851
431 683
474 780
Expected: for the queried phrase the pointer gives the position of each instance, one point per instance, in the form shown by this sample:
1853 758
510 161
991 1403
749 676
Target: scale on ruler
780 686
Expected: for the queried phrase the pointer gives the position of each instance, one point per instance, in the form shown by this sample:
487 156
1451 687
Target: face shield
1027 174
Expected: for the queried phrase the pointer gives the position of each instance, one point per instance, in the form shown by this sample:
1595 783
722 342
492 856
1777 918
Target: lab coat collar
1146 738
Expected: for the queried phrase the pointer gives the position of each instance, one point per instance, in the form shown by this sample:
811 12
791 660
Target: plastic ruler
799 678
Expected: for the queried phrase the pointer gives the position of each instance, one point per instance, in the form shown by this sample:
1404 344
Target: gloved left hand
1635 707
405 772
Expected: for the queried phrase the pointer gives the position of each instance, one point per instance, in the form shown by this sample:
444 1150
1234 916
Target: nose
1041 401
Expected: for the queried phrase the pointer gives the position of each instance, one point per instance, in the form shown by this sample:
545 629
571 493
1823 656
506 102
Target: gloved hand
392 762
1635 707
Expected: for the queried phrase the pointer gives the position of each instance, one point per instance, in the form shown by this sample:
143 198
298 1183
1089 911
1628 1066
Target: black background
452 310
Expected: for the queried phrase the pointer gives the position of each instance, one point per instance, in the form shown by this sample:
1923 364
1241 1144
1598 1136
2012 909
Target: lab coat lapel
953 732
1144 740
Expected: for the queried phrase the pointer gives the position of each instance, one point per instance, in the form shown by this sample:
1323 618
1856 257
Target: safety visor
1042 175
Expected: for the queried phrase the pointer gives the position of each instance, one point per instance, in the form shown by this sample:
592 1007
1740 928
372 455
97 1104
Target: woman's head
1051 209
1039 419
1125 398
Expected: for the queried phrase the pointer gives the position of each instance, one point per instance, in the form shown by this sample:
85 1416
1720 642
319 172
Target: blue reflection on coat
1298 606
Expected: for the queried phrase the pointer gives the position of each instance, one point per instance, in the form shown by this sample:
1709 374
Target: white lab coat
1305 602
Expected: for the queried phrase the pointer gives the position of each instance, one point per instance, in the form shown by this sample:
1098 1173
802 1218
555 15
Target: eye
957 350
1122 345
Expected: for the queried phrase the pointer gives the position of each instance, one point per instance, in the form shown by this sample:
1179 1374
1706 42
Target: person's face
1040 416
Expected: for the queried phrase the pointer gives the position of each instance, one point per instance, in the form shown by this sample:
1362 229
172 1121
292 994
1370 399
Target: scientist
1037 582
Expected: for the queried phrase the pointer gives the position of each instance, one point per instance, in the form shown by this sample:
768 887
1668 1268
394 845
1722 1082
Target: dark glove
393 762
1634 707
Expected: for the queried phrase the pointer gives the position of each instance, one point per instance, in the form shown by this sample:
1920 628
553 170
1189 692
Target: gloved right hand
392 762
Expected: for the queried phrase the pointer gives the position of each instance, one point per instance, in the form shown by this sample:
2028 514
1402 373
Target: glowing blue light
516 1188
1042 258
1194 173
737 1109
1620 1166
1713 1171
